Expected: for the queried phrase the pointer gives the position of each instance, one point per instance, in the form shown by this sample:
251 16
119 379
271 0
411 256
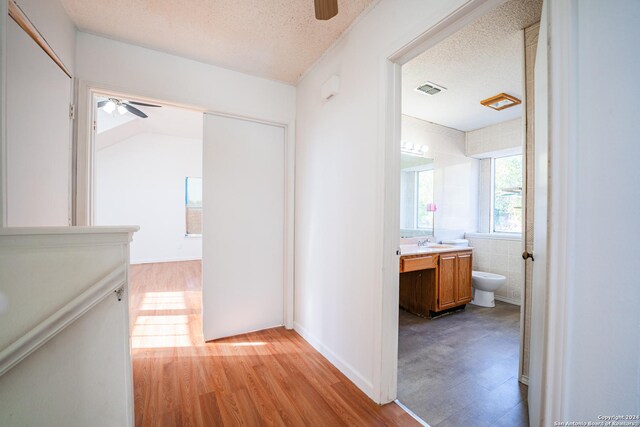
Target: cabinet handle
526 255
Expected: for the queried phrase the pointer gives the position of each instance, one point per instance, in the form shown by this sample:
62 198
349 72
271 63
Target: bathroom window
507 194
193 206
424 197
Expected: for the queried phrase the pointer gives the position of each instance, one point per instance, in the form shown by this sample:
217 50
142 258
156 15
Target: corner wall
340 190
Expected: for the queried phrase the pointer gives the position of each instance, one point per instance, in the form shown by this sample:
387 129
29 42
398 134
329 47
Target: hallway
271 377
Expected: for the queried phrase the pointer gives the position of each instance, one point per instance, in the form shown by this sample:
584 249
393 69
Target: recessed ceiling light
500 101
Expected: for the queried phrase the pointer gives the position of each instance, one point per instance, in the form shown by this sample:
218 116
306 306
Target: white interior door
243 226
540 227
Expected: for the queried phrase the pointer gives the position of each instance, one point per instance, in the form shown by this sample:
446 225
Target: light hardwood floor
265 378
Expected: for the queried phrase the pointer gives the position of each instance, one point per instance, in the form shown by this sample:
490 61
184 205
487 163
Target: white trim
349 371
563 148
4 15
387 217
161 260
52 325
508 300
494 236
413 414
524 380
48 231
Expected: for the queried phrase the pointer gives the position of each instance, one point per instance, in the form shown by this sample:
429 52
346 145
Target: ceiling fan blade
326 9
134 110
143 104
102 103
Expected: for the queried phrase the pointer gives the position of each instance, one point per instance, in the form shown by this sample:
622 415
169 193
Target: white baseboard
507 300
158 260
353 375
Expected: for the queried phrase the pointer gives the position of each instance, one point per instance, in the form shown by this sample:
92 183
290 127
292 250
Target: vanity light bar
414 149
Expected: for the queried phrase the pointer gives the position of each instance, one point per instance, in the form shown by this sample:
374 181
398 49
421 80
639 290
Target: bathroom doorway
464 221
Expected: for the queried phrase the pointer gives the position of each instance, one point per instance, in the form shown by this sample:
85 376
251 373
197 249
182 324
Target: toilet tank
463 243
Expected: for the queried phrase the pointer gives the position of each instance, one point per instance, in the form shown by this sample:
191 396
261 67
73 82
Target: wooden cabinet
465 268
454 280
435 282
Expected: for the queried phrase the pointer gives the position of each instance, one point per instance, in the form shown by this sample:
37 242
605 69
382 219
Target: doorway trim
390 113
84 155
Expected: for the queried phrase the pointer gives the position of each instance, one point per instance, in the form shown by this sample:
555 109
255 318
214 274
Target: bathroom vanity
435 278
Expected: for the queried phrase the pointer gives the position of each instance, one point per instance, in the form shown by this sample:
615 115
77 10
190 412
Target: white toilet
484 285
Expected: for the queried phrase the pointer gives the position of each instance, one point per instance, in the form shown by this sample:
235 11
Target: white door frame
549 358
85 150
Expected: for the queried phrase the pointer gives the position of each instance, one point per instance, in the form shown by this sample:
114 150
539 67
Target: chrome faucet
425 242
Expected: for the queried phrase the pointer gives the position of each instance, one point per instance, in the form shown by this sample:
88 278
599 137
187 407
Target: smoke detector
430 88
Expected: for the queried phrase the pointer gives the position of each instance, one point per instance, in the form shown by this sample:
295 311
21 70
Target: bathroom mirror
416 196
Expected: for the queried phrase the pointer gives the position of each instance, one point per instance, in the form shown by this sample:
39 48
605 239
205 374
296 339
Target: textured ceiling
479 61
276 39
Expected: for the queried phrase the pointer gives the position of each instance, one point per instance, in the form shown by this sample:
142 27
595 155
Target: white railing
112 283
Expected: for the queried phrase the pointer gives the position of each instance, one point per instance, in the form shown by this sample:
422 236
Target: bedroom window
193 206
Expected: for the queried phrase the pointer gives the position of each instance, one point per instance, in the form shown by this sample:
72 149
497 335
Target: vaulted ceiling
276 39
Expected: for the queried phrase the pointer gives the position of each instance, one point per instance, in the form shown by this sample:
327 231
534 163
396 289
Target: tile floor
462 369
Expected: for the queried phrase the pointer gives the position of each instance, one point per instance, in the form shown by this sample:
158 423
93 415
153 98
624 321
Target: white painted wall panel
38 135
603 362
340 189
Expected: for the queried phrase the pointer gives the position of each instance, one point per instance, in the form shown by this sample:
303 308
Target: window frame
492 207
187 207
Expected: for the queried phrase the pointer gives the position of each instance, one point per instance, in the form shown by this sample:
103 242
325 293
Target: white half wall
141 181
340 190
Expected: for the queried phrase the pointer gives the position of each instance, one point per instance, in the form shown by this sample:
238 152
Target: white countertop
432 248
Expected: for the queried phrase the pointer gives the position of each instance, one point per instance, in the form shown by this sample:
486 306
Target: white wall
36 173
340 189
140 71
602 365
504 138
141 181
455 190
500 255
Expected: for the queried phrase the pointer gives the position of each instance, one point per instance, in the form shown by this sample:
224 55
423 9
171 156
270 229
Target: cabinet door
447 278
464 278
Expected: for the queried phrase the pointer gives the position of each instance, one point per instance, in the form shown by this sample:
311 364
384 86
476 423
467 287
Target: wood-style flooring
267 378
462 369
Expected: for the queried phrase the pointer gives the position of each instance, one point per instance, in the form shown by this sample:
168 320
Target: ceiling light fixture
500 101
414 149
109 107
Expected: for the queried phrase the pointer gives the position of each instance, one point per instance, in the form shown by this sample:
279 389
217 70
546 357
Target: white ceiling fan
122 107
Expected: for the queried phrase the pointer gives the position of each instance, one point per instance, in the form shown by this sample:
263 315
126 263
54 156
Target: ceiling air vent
430 88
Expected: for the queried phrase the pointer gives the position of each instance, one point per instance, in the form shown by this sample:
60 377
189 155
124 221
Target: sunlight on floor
163 301
161 331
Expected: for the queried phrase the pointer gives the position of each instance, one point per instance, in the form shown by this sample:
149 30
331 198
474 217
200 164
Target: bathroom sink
439 246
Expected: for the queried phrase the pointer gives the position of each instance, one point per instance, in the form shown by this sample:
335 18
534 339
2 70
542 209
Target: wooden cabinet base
436 284
417 292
